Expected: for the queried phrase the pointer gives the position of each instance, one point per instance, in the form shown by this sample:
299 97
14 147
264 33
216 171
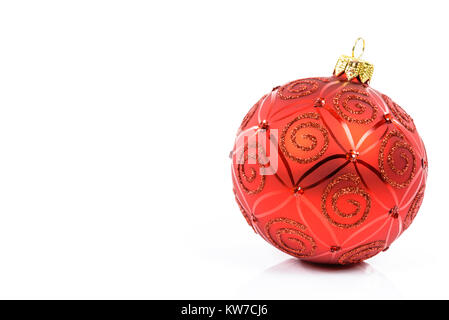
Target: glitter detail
414 207
400 114
362 252
298 88
346 190
293 149
352 155
304 245
402 176
355 114
248 180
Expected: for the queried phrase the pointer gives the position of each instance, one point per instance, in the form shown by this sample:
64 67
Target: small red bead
388 118
394 212
298 191
352 155
263 125
319 102
424 163
335 248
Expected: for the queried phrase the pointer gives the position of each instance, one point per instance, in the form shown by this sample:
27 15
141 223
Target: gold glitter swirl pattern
400 159
362 252
289 236
414 207
354 105
298 89
344 203
304 141
248 175
400 114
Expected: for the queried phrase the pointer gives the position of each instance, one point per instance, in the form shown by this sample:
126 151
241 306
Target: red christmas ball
329 170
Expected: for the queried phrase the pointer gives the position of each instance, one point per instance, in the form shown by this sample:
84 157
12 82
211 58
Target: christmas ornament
329 170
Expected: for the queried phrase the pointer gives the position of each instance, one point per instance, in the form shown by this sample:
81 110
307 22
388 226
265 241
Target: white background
117 118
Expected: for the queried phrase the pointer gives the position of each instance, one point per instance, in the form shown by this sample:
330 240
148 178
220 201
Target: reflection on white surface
298 266
295 279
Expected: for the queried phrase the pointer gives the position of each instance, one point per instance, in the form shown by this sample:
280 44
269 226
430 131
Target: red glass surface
351 170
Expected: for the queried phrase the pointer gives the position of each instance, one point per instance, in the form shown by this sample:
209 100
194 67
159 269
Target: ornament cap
353 67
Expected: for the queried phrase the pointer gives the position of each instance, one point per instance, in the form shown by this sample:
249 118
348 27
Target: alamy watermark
258 148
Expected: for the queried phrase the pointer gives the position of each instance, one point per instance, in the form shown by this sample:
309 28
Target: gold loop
355 44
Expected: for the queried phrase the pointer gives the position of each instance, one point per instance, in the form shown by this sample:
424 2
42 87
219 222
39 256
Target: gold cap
353 67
